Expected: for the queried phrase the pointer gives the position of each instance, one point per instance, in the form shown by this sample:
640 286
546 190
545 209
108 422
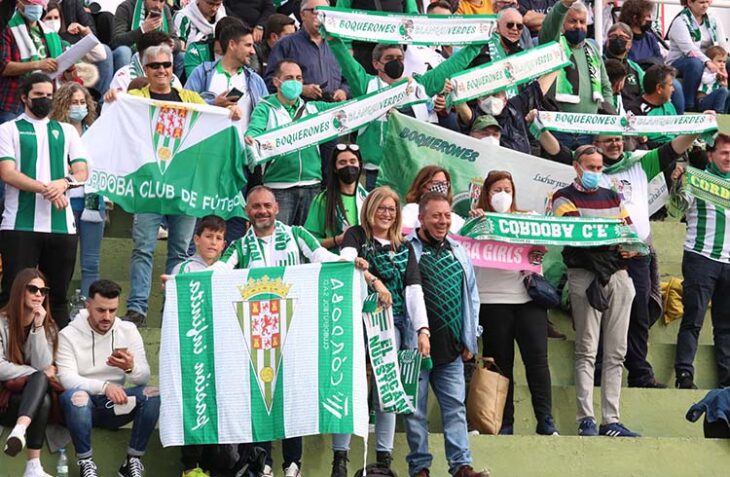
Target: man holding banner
388 62
452 307
706 261
601 293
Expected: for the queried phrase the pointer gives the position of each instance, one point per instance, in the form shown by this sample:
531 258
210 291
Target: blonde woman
393 274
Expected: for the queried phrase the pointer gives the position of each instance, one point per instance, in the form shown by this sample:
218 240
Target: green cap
483 122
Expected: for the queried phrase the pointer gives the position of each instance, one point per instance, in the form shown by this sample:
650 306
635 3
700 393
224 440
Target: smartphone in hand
234 94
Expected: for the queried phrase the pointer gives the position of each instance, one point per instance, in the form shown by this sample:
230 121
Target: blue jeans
704 279
144 235
678 97
716 101
294 203
691 70
106 72
572 141
82 412
90 235
121 55
405 337
447 382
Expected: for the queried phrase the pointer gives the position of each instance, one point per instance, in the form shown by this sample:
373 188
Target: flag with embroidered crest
263 354
167 158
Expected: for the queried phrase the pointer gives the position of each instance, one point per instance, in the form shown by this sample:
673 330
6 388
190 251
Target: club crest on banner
170 125
265 316
406 29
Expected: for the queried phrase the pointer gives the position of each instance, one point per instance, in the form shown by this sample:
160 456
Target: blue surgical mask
291 89
575 37
590 179
77 113
33 12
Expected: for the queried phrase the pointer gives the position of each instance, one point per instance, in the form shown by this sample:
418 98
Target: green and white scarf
140 14
569 79
26 45
496 53
625 125
694 27
283 248
711 185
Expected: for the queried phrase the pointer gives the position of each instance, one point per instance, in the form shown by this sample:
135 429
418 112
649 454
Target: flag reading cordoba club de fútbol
262 354
167 158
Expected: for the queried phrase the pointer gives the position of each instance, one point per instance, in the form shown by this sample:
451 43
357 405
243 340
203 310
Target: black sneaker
87 468
546 427
339 464
685 380
132 467
653 384
135 317
383 458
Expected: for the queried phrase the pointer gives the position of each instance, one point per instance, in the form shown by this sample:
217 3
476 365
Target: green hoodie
372 137
290 169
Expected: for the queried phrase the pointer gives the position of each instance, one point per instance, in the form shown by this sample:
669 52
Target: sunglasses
33 290
511 25
348 147
586 151
156 65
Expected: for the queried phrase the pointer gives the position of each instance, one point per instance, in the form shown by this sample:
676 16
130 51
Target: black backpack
234 460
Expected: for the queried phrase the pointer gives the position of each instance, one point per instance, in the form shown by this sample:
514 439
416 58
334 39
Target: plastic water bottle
62 466
76 304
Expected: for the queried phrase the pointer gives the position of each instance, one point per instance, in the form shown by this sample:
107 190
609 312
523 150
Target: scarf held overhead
569 78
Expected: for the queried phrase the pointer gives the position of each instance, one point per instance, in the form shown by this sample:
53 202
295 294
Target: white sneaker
267 472
292 471
33 468
15 442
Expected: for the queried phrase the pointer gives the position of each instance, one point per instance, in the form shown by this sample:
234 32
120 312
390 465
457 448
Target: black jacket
73 12
253 12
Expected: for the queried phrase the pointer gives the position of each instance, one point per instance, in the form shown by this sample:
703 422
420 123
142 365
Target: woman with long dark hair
28 341
508 314
337 208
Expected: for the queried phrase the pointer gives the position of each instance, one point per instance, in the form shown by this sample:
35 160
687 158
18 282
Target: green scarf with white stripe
694 27
140 14
569 77
27 47
284 249
496 53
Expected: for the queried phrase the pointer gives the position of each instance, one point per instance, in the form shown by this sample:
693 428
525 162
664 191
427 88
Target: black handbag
541 291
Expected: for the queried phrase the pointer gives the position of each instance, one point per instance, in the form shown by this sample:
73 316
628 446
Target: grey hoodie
82 355
38 353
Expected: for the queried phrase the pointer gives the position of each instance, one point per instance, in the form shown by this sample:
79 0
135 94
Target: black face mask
40 107
646 27
394 69
617 46
348 174
511 45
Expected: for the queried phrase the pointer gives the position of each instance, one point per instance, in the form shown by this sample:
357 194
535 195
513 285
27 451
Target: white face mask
491 140
501 202
54 25
491 105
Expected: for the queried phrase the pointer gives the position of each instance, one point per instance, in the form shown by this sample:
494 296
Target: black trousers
34 403
290 448
527 324
640 371
52 254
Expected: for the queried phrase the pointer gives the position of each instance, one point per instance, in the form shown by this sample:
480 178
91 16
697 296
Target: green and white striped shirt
43 150
708 230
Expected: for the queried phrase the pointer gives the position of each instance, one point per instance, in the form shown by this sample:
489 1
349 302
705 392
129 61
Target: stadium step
504 456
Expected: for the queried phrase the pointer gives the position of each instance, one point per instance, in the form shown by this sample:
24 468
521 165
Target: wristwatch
72 182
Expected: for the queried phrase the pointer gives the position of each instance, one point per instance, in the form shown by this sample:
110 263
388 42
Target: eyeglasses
33 290
348 147
586 150
511 25
386 210
156 65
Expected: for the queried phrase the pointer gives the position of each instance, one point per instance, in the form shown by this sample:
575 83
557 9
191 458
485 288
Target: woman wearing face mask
428 179
508 314
337 208
73 104
394 275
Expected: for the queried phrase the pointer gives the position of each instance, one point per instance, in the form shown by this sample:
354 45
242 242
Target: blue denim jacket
470 329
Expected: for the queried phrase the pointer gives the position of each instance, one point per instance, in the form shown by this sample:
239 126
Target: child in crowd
209 242
713 92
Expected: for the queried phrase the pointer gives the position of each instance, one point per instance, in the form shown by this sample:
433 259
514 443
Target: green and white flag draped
383 351
262 354
398 28
167 158
628 125
707 187
547 230
506 73
343 118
